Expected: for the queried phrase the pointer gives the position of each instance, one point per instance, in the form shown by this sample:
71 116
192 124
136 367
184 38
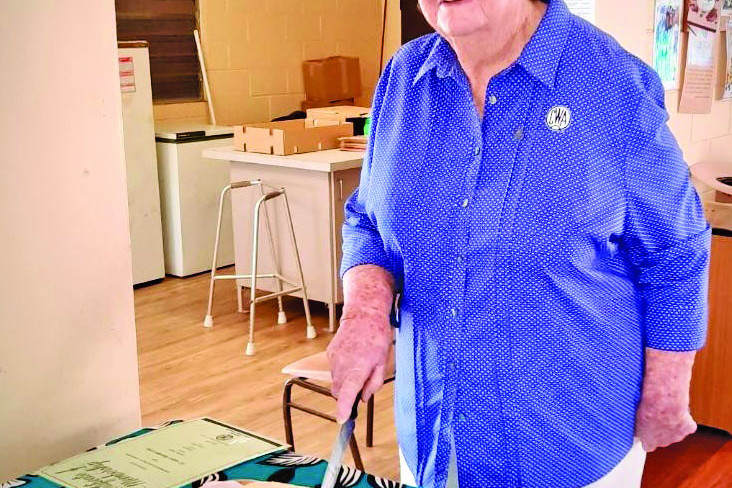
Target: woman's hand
359 352
663 416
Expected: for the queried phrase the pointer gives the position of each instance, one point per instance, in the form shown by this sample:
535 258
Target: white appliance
190 187
142 172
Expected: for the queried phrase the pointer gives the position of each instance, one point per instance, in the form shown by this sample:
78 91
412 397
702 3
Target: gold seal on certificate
169 457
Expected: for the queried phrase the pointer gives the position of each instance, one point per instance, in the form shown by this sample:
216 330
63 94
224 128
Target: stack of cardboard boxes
331 85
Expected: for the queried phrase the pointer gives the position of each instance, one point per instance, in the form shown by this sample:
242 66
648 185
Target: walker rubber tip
281 318
250 349
311 334
208 321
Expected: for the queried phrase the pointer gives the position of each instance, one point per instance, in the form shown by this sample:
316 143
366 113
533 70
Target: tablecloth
284 467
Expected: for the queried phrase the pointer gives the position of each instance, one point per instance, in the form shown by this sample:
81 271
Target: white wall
68 362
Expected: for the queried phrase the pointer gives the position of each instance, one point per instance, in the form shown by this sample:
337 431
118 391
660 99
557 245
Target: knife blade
336 455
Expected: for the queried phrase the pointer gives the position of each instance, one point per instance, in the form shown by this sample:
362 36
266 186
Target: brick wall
254 50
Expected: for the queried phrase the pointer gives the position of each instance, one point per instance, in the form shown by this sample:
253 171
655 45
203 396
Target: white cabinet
190 186
143 197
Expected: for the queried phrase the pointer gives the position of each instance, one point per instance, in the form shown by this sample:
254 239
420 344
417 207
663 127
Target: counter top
326 161
708 173
170 129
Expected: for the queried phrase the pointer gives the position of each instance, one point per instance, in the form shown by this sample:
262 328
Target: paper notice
666 42
698 92
170 457
583 8
127 74
704 14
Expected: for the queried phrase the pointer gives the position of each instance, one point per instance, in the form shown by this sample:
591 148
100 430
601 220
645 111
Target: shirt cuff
674 290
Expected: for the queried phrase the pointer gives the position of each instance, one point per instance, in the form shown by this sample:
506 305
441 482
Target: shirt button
476 151
465 203
492 99
519 134
453 312
461 418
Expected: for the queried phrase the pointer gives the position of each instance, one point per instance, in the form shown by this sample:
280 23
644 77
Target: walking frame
254 276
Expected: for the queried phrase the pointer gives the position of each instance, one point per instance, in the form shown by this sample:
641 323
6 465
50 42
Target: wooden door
711 384
413 23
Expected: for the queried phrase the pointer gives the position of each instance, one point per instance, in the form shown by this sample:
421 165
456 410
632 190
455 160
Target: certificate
166 458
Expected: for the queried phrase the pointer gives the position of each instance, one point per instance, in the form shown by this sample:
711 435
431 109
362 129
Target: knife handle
354 410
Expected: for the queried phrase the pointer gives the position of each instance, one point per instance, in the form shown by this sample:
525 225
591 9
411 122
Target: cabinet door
308 193
343 184
711 384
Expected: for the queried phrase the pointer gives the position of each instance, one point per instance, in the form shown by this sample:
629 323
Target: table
318 184
284 467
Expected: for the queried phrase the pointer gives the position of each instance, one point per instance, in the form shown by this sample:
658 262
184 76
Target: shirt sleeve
362 243
666 237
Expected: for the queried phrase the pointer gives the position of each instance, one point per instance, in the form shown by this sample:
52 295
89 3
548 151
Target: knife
336 455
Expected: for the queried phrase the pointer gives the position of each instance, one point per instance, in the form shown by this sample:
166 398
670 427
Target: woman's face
455 18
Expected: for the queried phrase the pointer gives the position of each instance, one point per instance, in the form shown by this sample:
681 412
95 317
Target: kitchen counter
328 161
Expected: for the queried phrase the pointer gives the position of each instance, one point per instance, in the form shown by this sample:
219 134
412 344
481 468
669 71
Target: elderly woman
523 197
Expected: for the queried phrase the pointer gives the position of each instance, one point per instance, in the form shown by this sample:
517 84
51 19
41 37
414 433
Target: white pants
626 474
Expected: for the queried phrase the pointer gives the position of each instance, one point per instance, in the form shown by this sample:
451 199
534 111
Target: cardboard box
307 104
340 113
290 136
333 78
343 113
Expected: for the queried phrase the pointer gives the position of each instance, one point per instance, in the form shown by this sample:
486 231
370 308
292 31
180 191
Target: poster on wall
704 14
666 42
698 92
583 8
726 14
728 77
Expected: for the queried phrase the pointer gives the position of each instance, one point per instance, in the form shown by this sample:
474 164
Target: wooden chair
305 373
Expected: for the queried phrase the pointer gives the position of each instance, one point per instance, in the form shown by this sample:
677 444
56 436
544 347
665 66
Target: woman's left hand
663 416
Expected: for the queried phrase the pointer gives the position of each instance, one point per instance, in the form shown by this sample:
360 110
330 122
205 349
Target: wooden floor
187 371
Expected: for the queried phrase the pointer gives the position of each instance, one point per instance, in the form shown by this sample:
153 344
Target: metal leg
208 320
287 413
281 316
311 334
331 316
370 422
253 291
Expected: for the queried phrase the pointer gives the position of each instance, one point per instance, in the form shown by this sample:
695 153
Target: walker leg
253 290
252 312
281 316
311 333
208 320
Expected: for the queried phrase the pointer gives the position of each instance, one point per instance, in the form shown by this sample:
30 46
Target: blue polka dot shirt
537 251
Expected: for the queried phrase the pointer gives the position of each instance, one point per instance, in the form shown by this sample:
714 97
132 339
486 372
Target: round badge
558 118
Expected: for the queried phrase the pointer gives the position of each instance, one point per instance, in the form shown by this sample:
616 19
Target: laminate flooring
187 371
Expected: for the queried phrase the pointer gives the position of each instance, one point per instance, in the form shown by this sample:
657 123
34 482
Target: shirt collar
540 57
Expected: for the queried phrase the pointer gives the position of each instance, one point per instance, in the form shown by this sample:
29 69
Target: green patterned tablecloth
284 467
